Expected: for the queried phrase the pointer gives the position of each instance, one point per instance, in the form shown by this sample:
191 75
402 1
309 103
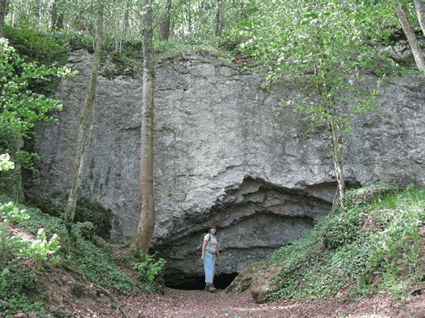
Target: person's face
212 231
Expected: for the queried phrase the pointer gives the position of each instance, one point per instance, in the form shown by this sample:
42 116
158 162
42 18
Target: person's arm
204 246
218 253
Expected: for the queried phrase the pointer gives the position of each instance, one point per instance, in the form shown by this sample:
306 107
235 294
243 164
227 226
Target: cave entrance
196 282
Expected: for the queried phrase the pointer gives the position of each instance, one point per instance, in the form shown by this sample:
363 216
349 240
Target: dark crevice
180 280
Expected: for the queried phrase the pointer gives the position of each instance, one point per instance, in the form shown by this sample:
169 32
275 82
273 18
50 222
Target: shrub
341 230
149 272
365 195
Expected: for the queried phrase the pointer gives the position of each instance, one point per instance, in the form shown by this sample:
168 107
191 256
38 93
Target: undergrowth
374 247
84 255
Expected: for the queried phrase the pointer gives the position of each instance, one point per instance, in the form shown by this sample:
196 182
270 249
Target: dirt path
189 303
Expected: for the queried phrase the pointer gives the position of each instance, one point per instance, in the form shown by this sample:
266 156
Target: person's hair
212 227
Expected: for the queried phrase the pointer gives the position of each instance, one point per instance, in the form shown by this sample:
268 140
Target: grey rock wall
223 156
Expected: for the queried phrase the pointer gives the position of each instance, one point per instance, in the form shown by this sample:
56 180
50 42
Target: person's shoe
207 288
212 289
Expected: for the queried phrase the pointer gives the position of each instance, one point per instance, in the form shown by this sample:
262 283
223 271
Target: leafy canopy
327 45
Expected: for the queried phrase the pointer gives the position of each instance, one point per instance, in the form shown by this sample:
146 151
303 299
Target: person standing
210 252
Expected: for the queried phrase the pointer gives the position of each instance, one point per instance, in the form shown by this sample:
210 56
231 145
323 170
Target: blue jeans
209 266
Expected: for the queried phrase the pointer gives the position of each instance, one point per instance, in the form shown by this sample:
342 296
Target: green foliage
375 245
100 218
52 225
5 163
36 47
395 250
149 268
169 49
76 40
20 107
341 230
43 49
366 195
86 211
85 255
149 271
15 277
96 260
323 44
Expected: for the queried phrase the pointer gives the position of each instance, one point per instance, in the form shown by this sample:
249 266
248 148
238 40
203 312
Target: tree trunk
17 190
127 15
420 10
143 236
166 22
220 17
336 145
84 137
123 25
56 16
2 16
420 63
190 20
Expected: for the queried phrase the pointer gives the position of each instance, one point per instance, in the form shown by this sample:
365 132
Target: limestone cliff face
223 155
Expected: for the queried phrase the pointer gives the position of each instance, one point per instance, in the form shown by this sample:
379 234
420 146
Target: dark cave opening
196 282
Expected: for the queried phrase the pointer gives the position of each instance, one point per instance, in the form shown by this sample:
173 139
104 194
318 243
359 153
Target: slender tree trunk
127 15
420 63
57 16
17 192
190 21
123 25
420 10
336 145
166 22
54 15
84 137
2 16
335 139
143 236
220 17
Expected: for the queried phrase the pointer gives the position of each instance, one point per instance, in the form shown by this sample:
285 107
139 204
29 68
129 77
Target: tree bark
84 136
166 22
143 236
420 10
220 17
420 63
56 16
17 191
2 16
336 145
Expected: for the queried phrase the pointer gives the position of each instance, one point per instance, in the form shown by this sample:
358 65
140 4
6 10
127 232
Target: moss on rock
259 279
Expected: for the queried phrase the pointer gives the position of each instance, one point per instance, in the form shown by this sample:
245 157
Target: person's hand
202 258
219 258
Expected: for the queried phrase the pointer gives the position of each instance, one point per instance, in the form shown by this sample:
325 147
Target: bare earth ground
190 303
185 304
